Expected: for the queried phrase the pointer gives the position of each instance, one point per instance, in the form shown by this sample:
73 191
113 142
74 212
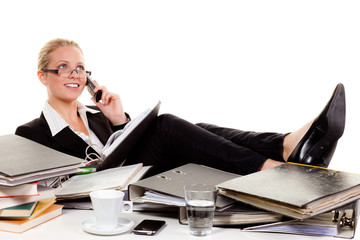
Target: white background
254 65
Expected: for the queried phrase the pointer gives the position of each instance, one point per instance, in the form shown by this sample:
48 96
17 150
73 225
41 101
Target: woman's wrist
120 120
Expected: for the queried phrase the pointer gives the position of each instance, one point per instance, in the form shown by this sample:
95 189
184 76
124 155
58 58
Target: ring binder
337 223
341 218
321 191
347 221
24 160
172 182
89 156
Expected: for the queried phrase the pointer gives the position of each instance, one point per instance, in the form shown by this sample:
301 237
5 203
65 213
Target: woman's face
66 86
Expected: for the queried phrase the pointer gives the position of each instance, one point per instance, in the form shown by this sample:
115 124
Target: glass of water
200 205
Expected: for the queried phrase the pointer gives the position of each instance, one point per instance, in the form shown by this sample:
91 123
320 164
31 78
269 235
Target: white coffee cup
107 205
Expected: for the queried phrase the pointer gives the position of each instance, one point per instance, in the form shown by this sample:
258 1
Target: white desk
67 226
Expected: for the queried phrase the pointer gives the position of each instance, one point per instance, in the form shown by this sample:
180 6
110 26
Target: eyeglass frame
56 71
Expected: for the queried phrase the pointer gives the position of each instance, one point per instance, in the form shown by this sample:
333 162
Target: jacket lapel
73 142
100 126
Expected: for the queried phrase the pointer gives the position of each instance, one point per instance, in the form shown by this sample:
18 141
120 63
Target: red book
27 189
44 193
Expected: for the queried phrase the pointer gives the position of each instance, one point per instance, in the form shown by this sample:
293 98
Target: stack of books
25 206
24 202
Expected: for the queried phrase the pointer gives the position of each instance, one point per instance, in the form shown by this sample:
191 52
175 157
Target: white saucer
89 225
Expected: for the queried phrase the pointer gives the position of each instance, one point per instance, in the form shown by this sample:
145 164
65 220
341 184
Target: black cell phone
91 86
149 227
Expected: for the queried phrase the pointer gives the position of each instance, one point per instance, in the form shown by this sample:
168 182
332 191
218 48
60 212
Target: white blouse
57 123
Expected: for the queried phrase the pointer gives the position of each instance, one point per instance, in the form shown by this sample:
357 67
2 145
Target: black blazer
67 141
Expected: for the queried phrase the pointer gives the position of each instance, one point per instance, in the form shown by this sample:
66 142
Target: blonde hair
52 45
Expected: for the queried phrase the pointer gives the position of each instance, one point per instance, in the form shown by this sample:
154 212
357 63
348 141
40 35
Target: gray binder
23 160
338 223
172 182
294 190
239 215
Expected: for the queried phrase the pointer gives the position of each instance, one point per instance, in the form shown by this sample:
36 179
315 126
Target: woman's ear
41 77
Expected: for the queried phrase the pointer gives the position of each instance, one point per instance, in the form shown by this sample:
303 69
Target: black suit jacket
67 141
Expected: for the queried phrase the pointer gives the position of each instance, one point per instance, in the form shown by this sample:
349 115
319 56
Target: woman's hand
111 106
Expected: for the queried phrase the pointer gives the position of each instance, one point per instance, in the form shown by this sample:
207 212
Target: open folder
122 141
80 186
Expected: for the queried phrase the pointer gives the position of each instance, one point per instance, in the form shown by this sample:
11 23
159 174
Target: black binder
128 139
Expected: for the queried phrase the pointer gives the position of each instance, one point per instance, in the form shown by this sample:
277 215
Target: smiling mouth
72 85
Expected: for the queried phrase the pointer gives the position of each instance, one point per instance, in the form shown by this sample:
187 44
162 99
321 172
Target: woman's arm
111 106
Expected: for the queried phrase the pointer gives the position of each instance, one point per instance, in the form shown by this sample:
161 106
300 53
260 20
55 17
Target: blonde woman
70 127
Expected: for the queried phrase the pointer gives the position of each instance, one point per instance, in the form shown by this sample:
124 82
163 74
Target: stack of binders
25 200
23 161
290 198
316 201
165 192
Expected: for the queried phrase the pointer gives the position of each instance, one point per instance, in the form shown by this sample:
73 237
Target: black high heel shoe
318 144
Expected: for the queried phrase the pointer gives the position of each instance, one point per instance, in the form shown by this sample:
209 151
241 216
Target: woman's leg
273 145
266 143
171 142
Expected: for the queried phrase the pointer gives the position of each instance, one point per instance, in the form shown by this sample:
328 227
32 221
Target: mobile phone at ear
149 227
91 86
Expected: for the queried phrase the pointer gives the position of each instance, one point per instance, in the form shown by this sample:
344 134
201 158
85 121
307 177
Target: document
160 198
81 185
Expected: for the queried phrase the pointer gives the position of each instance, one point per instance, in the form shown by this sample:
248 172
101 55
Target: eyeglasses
66 72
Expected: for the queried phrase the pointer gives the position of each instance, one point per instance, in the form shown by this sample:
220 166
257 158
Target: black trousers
171 142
